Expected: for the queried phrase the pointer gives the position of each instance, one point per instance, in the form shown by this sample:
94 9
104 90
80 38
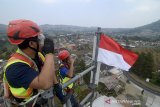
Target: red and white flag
111 53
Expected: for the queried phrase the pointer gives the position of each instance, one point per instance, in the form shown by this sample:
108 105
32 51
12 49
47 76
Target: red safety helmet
19 30
63 54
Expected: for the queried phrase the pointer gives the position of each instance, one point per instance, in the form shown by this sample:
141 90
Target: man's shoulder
17 65
63 69
17 68
20 74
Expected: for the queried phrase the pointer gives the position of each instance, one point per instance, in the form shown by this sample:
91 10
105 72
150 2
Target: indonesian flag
111 53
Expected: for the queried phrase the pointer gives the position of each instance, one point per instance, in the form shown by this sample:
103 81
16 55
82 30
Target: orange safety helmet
19 30
63 54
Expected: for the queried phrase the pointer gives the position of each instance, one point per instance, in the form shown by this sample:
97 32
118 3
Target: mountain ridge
152 29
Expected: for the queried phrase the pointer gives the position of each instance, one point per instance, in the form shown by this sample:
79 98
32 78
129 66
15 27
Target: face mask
41 39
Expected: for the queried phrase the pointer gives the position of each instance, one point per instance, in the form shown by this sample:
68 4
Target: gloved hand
48 46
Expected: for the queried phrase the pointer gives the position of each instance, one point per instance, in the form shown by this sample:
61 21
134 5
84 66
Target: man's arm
71 67
47 75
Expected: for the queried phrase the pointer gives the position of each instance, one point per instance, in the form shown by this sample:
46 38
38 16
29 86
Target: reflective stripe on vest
18 57
65 79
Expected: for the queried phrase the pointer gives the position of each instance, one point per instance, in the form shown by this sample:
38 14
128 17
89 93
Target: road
140 85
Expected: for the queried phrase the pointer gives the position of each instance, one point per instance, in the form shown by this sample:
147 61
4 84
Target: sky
87 13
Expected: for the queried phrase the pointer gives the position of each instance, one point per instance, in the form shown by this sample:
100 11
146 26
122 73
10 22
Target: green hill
149 31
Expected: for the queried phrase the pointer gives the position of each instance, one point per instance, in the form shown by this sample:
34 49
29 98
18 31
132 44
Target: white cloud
143 8
83 0
130 1
141 12
146 8
143 5
55 1
47 1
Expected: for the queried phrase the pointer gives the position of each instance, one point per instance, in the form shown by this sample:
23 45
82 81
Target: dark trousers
74 101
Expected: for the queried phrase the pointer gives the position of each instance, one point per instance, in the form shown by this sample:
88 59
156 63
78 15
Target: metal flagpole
96 55
95 76
94 47
93 56
97 73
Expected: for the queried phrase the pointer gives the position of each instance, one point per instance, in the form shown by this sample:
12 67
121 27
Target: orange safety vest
19 57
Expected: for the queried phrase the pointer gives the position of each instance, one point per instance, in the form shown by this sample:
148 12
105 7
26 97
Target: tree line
147 66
